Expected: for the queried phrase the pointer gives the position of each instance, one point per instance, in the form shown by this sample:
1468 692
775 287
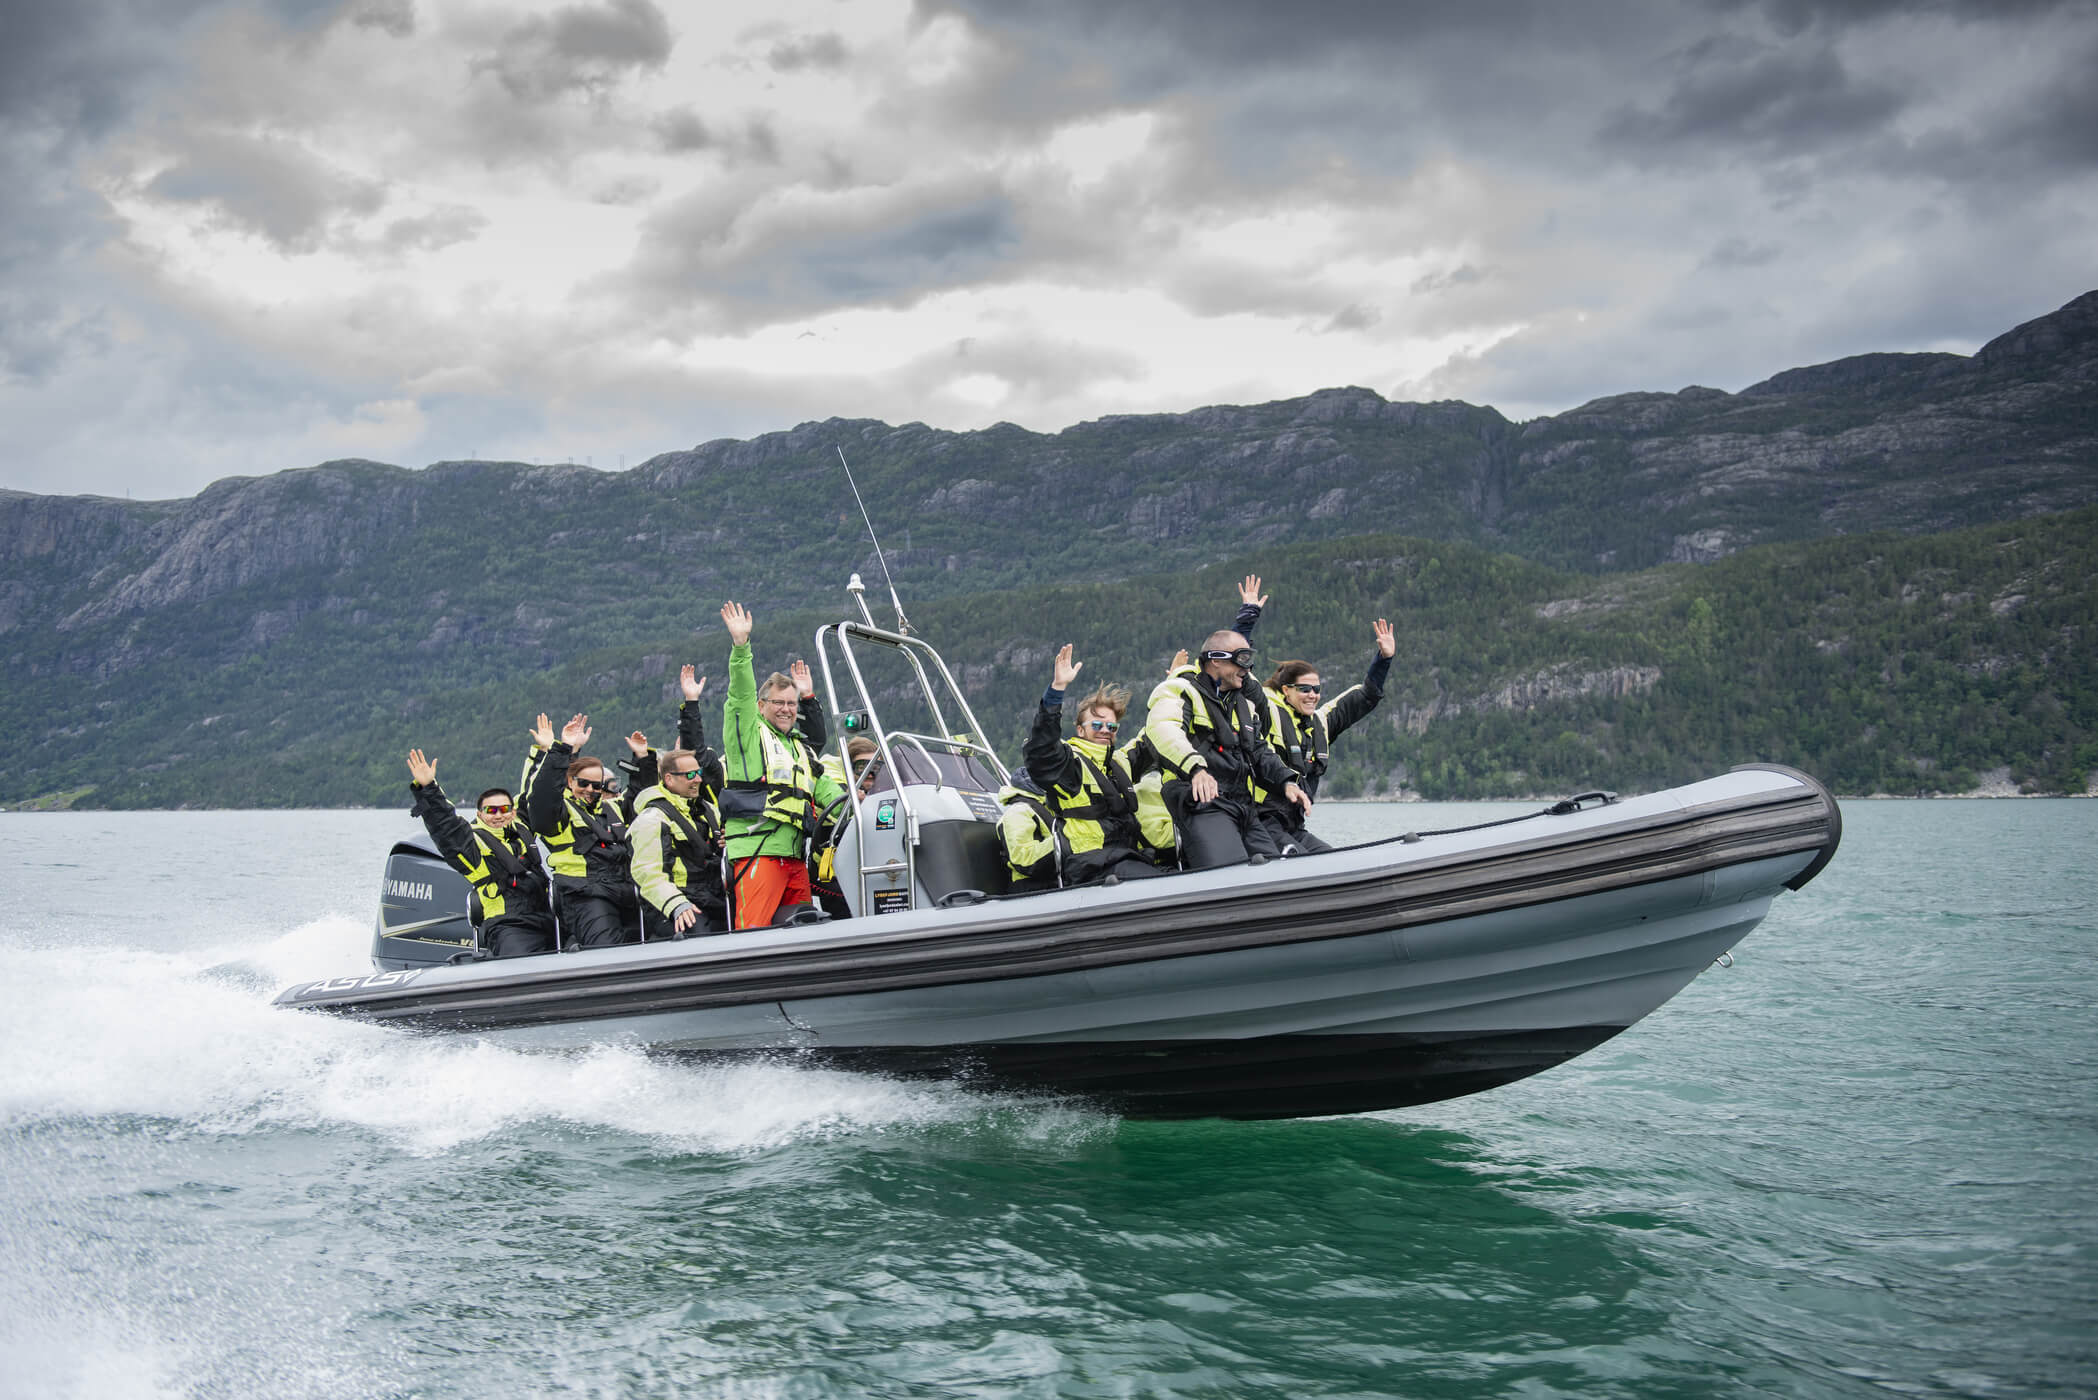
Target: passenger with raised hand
809 724
586 839
676 838
1302 731
507 889
775 790
1208 740
642 766
1086 781
1251 601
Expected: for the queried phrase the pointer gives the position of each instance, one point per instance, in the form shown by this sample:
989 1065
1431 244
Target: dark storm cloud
265 185
1267 92
1354 317
1735 251
681 129
395 17
1207 36
579 48
2060 125
1791 16
810 51
815 251
1774 102
80 66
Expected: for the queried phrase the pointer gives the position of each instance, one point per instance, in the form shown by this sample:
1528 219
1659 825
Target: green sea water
1862 1161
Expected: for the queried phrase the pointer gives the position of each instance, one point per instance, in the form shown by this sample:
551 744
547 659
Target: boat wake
191 1039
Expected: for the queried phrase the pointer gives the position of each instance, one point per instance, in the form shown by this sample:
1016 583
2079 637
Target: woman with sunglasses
506 899
586 842
1302 730
1086 781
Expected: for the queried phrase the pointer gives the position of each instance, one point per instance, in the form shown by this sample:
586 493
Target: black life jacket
1233 717
600 838
1300 739
514 876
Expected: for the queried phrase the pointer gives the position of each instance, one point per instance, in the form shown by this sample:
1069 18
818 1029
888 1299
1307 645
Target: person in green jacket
776 792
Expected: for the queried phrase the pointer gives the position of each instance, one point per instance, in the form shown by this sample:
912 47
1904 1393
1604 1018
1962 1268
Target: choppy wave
193 1038
1857 1164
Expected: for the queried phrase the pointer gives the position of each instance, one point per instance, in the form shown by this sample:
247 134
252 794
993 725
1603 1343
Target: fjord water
1859 1162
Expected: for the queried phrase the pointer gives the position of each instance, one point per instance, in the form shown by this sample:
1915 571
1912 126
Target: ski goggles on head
1243 656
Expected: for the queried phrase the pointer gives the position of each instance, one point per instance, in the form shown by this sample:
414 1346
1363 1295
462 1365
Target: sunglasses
1307 689
494 811
683 773
1110 725
1241 657
591 785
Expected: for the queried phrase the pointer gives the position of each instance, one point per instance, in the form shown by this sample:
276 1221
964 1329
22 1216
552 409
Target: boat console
926 832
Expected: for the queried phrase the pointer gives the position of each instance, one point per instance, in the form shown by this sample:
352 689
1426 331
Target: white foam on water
194 1038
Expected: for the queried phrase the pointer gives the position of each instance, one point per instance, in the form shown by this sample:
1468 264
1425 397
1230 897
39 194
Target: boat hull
1377 977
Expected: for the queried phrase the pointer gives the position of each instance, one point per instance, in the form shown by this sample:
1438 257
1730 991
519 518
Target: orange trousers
767 883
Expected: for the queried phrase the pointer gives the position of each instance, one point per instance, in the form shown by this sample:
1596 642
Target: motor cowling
422 911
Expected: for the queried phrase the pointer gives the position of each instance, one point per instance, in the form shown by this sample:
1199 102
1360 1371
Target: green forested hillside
1879 663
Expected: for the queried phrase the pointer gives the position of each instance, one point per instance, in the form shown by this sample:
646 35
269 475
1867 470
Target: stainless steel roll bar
843 637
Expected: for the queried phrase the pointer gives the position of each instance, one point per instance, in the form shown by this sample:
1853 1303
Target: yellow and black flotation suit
584 847
1103 812
1300 740
1028 831
507 880
677 854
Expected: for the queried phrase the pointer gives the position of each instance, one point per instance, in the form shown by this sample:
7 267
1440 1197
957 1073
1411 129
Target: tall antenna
903 624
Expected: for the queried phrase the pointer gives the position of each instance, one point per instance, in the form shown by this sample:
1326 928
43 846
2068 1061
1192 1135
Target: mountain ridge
470 574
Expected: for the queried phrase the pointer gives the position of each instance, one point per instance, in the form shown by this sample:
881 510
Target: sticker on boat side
885 816
891 901
335 985
983 806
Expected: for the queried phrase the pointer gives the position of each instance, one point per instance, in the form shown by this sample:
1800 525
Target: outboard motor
422 910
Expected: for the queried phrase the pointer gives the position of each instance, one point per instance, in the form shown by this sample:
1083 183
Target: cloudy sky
244 235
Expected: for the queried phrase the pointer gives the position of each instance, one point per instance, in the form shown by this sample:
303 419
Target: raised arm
742 750
691 720
1250 601
1049 762
808 710
546 772
1348 707
449 832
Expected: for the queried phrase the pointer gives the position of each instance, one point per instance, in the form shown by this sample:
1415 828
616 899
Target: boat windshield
935 761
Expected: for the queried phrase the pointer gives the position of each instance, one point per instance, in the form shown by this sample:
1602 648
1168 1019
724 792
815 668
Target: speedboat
1398 972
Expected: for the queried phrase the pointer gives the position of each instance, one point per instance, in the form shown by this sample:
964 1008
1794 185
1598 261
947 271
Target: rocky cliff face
1889 441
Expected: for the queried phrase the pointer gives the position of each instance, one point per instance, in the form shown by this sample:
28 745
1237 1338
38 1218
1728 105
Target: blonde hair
1107 697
